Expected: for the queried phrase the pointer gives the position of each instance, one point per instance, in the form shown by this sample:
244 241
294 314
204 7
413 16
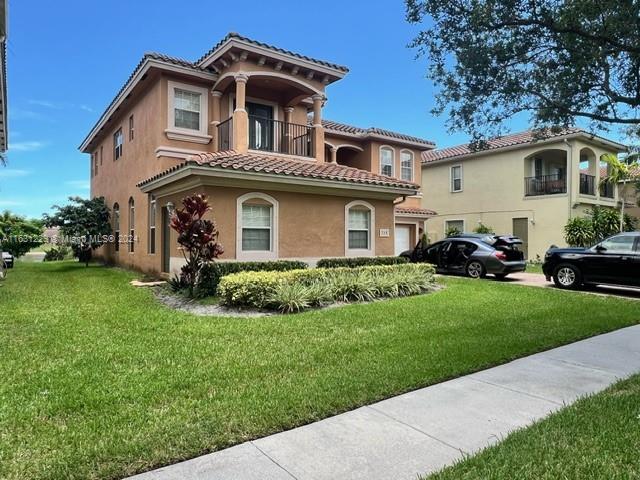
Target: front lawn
100 381
598 437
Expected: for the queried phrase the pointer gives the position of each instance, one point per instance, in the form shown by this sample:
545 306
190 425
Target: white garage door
403 239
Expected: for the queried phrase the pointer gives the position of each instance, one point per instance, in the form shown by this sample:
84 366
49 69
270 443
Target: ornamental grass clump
297 290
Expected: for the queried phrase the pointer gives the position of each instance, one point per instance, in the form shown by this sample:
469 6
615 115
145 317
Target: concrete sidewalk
422 431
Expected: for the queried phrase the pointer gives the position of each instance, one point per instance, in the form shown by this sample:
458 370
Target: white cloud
87 108
10 203
29 146
83 184
44 103
13 172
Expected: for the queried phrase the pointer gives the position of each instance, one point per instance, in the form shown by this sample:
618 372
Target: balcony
587 184
607 190
545 185
268 135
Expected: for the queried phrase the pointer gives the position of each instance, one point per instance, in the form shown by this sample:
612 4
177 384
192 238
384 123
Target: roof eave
366 136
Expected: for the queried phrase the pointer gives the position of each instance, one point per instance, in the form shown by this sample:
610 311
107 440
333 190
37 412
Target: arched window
406 165
387 160
257 221
152 225
116 225
132 224
359 225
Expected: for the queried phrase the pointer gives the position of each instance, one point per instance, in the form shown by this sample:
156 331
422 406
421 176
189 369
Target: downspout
570 176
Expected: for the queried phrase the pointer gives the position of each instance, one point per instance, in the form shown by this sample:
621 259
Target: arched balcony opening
545 172
588 170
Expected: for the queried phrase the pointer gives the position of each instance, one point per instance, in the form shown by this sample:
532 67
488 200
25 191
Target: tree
621 172
557 60
198 237
84 222
18 235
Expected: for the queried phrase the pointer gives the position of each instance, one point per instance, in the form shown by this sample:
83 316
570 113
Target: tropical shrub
578 232
600 223
352 262
452 232
198 238
211 273
482 228
57 253
296 290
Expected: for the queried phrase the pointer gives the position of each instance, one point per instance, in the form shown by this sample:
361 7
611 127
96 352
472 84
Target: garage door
403 239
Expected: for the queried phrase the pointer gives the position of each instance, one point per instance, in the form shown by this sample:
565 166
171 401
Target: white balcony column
240 117
318 129
334 155
288 111
215 105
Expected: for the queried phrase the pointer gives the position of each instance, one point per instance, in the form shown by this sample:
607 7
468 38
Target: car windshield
617 244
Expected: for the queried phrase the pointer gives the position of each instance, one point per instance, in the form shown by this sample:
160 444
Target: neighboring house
632 197
243 124
527 184
3 77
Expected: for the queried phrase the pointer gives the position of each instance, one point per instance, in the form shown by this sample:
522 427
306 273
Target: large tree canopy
559 60
18 235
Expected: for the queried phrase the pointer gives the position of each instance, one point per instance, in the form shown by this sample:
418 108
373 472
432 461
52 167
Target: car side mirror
600 248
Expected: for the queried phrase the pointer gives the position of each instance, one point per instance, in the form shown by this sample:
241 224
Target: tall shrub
198 238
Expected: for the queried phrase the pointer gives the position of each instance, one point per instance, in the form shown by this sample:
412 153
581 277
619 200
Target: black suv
614 261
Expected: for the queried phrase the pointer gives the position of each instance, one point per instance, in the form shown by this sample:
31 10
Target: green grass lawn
100 381
598 437
534 268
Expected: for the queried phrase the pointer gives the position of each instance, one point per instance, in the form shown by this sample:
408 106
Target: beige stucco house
528 184
243 124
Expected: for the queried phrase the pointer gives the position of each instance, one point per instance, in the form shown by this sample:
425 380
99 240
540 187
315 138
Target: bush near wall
296 290
352 262
212 273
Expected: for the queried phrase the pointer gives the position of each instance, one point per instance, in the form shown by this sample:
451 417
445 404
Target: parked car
7 258
472 254
614 261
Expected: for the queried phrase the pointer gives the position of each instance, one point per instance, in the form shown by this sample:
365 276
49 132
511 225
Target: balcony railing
587 184
545 185
271 135
225 135
607 189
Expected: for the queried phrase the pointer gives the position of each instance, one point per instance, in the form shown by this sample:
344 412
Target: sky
66 60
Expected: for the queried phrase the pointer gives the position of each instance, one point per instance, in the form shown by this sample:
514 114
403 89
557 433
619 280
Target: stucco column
288 111
215 101
334 155
240 118
318 129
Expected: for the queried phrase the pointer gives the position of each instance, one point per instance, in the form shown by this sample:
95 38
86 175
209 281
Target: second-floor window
386 161
186 109
406 165
118 140
131 128
456 178
152 224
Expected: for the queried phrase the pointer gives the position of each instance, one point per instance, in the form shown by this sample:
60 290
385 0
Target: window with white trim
453 227
406 165
118 140
186 109
116 225
456 178
257 227
132 224
152 224
359 229
386 161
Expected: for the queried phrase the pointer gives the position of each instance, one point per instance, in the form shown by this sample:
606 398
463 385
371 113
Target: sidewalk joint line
276 463
526 394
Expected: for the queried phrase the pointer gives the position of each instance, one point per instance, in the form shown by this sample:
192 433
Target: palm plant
621 172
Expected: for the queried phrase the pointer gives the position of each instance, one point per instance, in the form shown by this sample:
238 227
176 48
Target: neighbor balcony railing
545 185
587 184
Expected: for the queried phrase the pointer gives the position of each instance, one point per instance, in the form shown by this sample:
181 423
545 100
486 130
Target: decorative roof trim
350 131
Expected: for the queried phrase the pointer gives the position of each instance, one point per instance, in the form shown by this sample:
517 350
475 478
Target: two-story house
243 124
529 184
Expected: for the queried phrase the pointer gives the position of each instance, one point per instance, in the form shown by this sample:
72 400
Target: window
456 178
256 227
386 161
131 128
117 144
95 164
406 165
452 227
186 105
116 225
359 224
101 152
619 244
152 224
132 225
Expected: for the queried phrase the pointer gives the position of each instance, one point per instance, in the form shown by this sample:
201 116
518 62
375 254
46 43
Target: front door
403 239
521 230
261 132
166 241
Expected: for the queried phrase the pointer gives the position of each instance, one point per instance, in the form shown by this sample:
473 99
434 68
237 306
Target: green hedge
296 290
359 262
213 272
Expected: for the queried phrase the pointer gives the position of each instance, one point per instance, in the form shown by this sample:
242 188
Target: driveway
538 280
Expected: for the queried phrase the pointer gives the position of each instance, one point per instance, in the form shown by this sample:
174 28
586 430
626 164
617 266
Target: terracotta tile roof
270 47
231 160
635 171
336 127
414 211
521 138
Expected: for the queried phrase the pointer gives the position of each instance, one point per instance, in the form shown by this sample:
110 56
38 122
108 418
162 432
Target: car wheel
567 276
475 269
500 276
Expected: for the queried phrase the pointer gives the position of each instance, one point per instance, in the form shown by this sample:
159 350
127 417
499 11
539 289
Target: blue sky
66 60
